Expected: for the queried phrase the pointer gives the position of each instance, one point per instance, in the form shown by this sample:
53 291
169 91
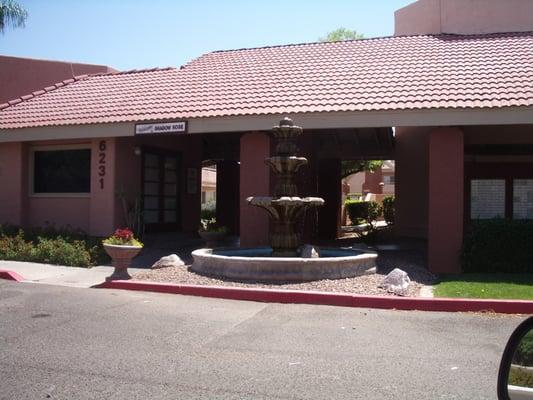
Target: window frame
58 147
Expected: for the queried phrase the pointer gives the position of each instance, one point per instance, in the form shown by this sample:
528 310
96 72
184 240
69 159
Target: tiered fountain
283 261
286 208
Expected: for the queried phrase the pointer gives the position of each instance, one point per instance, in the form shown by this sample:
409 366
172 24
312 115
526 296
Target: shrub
62 246
498 245
59 251
208 210
366 211
388 209
524 351
15 248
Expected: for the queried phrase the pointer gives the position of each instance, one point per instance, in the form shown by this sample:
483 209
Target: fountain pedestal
286 207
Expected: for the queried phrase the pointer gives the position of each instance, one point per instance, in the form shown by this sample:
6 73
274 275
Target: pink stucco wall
255 181
60 211
464 17
21 76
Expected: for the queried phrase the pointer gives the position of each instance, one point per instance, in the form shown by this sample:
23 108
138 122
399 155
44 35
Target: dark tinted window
62 171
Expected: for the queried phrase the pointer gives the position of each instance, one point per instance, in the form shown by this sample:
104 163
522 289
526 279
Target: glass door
161 190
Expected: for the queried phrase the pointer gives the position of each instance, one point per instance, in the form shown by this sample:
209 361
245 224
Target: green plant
15 247
498 245
388 210
210 225
524 351
520 377
122 237
50 244
59 251
366 211
208 210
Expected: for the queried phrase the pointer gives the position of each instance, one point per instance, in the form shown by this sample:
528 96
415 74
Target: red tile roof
392 73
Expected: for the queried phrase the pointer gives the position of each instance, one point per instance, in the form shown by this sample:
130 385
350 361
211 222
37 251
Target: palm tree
11 14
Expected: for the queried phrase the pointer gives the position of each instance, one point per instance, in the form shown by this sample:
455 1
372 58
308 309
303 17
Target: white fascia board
367 119
67 132
324 120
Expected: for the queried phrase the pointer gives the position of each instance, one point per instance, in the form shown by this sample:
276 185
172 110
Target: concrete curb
331 299
10 275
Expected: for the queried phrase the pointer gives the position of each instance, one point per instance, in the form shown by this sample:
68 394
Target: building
380 181
456 83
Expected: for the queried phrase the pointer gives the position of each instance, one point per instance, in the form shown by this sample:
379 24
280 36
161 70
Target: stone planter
212 238
121 256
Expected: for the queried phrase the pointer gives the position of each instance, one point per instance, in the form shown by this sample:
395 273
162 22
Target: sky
134 34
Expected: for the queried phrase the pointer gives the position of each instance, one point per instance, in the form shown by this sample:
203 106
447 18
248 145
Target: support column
329 188
103 197
446 199
254 181
228 194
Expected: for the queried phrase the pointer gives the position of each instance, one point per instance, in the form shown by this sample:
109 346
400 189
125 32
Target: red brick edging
331 299
10 275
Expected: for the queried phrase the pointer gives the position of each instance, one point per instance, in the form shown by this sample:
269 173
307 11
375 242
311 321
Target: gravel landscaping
412 262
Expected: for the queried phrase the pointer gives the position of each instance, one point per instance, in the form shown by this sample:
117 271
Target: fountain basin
257 264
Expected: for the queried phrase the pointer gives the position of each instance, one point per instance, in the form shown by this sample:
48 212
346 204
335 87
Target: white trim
55 147
322 120
368 119
67 132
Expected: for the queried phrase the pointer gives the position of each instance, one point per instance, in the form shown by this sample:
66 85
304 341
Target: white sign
163 127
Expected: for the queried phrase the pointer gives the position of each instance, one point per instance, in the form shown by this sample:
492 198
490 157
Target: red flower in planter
124 234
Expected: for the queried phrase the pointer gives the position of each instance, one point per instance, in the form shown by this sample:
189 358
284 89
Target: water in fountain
286 207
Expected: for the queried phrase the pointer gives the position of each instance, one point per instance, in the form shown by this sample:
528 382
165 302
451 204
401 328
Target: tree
341 34
349 167
12 14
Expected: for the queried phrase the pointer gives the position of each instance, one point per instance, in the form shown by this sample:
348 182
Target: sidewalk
60 275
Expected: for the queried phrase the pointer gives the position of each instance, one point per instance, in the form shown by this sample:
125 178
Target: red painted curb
331 299
10 275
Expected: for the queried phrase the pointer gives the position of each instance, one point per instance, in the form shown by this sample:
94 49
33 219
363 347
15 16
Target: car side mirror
515 378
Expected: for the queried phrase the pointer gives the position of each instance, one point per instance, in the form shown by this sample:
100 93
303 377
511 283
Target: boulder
168 261
309 251
397 282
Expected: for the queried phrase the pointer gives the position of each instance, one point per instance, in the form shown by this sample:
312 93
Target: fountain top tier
286 208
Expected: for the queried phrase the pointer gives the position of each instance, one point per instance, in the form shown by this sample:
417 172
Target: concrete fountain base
256 264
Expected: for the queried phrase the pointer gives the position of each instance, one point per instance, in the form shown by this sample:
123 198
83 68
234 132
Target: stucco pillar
103 196
254 181
329 188
446 199
228 194
13 183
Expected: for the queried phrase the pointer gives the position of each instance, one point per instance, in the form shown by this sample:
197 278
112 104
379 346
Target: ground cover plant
51 245
485 286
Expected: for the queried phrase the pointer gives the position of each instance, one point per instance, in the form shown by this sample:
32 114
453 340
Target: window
65 170
388 179
487 198
523 199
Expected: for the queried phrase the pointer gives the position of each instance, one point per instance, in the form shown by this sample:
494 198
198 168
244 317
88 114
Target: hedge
51 246
498 245
367 211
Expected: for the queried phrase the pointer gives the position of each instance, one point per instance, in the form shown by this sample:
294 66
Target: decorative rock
397 282
168 261
309 251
